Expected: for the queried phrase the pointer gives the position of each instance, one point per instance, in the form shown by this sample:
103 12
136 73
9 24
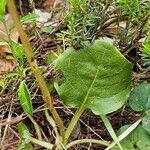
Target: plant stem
110 130
72 124
78 113
37 128
52 123
10 42
82 141
41 143
34 66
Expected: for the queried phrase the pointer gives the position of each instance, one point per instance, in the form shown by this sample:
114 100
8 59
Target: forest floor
52 32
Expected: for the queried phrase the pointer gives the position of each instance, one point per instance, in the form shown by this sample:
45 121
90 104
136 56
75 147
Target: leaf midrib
89 90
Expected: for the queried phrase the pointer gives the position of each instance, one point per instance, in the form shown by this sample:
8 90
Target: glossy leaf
97 78
25 98
138 139
139 99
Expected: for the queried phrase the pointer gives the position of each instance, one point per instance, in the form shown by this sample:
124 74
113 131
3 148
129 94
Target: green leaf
146 122
24 134
139 139
18 50
2 6
97 78
11 75
76 4
23 130
24 146
30 17
46 29
2 18
25 98
139 99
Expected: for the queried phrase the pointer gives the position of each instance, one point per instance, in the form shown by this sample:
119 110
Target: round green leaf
98 78
139 99
139 139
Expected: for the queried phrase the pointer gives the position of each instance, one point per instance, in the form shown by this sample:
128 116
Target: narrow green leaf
98 78
12 74
30 17
46 29
24 134
24 146
18 50
139 99
23 130
110 130
25 98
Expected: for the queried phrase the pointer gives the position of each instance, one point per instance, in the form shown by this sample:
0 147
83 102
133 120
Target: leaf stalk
84 141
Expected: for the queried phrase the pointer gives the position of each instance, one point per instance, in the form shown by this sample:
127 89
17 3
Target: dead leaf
43 17
53 4
13 34
48 4
58 3
52 18
7 65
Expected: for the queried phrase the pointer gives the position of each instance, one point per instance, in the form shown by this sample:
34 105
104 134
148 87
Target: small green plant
81 89
16 49
136 13
81 21
26 103
146 51
27 139
94 80
97 77
139 138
